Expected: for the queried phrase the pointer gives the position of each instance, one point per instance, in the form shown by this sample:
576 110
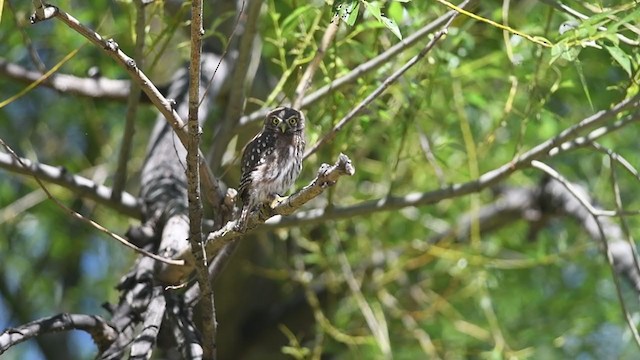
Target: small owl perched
271 161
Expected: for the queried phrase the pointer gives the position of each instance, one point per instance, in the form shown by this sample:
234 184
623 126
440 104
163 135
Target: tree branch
380 89
327 176
568 139
307 77
208 325
81 186
88 221
120 177
358 71
102 333
247 27
111 48
578 205
97 88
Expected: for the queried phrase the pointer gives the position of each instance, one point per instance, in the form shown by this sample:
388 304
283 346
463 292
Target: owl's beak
282 126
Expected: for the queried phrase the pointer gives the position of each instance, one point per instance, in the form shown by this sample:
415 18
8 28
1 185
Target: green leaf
564 51
374 9
347 11
391 25
621 58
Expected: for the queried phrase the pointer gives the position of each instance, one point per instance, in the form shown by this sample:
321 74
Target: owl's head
284 120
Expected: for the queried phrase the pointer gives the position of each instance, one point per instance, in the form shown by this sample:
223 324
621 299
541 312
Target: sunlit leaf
347 11
621 58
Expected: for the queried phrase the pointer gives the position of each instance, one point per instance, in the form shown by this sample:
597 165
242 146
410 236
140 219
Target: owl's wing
253 155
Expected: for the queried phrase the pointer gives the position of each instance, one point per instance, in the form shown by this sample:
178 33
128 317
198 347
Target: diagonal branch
88 221
360 70
327 176
380 89
305 82
111 48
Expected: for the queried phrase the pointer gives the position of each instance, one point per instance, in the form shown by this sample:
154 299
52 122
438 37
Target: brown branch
102 333
208 325
327 176
82 187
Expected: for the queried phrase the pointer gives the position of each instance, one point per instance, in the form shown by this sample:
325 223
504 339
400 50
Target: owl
271 161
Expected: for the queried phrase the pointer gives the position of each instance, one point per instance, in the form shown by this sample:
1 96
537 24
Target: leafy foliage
372 285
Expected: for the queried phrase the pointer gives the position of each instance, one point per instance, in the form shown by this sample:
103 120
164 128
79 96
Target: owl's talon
277 200
240 227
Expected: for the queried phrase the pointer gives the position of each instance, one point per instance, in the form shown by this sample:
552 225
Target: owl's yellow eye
275 121
292 121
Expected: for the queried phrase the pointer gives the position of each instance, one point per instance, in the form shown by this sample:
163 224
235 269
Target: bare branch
102 333
120 177
97 88
327 176
111 48
81 186
193 186
90 222
565 141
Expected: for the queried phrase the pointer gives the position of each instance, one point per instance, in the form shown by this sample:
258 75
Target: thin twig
33 53
578 15
378 91
305 81
428 153
120 177
377 324
360 70
247 26
620 208
92 223
603 238
535 39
